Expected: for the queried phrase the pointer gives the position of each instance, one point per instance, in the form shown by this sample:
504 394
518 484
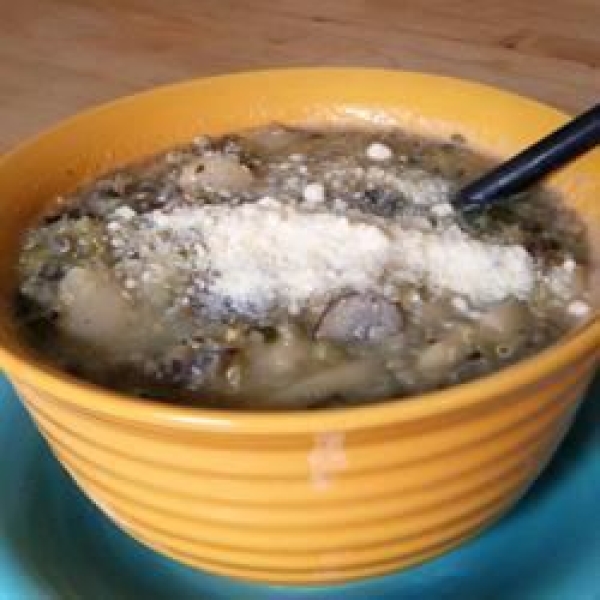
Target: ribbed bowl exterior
303 498
302 508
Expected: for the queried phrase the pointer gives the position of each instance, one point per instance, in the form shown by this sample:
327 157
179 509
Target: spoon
532 164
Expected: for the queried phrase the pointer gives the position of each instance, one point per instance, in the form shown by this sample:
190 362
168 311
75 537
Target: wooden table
59 56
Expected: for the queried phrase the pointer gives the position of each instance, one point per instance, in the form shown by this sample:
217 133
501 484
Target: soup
284 268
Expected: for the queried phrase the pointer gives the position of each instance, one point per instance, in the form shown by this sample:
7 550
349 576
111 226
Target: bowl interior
97 141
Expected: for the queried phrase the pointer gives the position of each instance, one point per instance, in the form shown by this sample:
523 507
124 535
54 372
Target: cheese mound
266 254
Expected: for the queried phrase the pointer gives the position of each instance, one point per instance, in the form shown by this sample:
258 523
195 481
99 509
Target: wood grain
59 56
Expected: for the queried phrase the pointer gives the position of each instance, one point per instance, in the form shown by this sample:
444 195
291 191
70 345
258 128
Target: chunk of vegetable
94 310
221 172
347 381
360 317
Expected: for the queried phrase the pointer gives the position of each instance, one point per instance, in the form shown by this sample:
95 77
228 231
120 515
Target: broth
284 268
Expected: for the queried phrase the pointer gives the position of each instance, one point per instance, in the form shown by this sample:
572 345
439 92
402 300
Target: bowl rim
35 374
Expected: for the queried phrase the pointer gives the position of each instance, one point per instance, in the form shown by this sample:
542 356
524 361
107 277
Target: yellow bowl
308 497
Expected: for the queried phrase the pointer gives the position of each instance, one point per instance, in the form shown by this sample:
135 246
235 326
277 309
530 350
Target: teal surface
54 544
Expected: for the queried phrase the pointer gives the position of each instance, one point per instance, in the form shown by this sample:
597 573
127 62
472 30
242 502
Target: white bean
93 308
219 172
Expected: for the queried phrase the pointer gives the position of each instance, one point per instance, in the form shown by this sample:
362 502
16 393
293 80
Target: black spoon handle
576 137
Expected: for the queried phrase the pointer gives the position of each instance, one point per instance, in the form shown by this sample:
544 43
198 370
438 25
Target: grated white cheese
280 256
379 151
418 186
259 255
450 259
314 193
124 212
443 209
560 279
578 309
460 304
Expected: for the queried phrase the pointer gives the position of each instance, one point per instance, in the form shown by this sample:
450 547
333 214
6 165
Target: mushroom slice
359 317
